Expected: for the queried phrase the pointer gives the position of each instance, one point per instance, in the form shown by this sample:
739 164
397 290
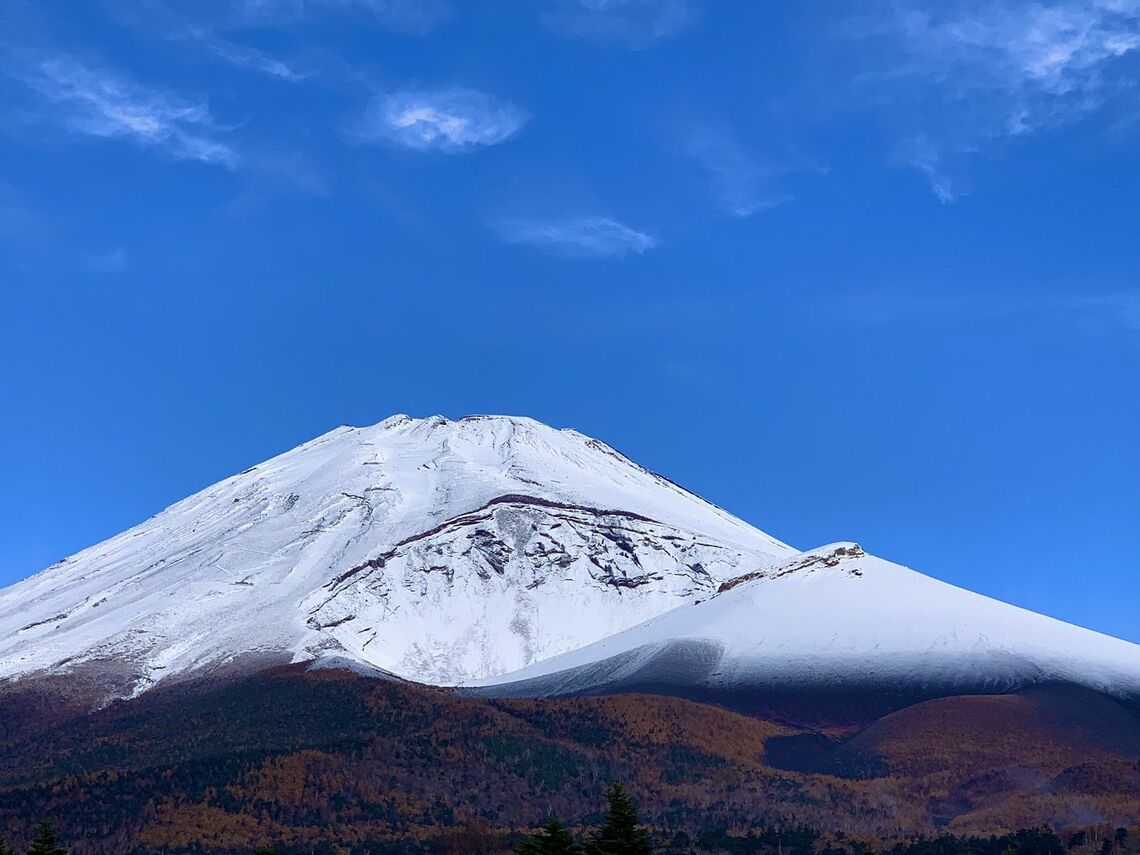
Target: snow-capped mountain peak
440 550
500 553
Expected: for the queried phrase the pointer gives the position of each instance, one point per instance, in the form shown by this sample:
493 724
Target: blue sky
855 271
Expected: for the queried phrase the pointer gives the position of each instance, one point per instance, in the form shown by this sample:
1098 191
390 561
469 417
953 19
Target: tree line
44 842
621 832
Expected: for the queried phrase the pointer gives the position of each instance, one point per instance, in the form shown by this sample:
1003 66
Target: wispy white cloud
745 184
408 16
922 154
989 72
634 23
245 56
448 120
113 261
1042 63
92 101
591 237
205 26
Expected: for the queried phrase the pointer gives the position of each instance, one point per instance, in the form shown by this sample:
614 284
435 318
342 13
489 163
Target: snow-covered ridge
834 617
439 550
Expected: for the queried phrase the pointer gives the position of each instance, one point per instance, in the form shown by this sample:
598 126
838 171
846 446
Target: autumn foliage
330 761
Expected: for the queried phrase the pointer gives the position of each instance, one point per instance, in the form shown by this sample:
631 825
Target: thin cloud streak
743 183
637 24
245 56
592 237
1120 308
415 17
923 155
447 120
95 102
114 261
203 27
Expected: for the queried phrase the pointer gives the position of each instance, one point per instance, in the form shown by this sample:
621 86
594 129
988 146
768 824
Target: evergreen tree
44 842
620 834
554 839
6 847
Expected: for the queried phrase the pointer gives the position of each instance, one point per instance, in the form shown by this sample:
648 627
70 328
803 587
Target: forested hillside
301 759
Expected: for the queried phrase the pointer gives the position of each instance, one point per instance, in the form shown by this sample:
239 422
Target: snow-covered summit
439 550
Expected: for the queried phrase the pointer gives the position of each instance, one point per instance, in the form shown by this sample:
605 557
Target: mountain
438 551
834 636
515 559
207 681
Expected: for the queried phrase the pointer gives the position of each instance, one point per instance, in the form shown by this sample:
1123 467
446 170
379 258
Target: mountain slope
300 758
835 623
433 549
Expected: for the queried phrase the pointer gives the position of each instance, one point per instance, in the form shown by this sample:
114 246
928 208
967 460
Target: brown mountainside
295 757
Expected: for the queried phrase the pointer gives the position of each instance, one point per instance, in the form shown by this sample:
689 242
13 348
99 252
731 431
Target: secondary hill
834 638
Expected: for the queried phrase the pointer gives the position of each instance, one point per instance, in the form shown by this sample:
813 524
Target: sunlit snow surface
438 550
835 617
